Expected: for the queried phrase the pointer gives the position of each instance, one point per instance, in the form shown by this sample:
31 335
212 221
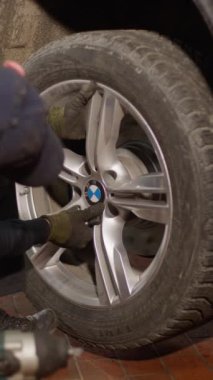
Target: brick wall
24 28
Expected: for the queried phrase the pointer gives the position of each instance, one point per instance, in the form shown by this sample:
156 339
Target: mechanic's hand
69 122
70 229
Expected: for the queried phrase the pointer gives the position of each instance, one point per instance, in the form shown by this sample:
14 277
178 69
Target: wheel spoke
48 255
68 178
111 116
54 260
116 277
92 130
149 183
102 135
105 287
73 168
154 211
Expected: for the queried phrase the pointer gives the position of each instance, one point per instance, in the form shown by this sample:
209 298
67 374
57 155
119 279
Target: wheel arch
186 22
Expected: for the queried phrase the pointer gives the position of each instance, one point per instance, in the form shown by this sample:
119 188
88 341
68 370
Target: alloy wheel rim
128 189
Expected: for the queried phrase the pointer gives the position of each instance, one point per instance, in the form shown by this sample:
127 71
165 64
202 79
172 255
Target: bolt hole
110 176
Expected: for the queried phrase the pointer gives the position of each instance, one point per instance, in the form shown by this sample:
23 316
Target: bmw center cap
94 192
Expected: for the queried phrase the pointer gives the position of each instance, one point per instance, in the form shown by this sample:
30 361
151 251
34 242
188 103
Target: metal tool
31 356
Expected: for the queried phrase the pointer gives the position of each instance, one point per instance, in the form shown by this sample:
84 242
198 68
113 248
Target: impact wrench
31 356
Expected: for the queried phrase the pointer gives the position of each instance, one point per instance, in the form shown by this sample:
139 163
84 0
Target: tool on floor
31 356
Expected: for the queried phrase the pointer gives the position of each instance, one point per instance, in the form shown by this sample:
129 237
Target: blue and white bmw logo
94 192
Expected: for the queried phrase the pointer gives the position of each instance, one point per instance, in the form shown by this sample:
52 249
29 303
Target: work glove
69 122
72 228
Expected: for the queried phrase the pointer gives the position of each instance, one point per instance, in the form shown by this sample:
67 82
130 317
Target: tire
168 90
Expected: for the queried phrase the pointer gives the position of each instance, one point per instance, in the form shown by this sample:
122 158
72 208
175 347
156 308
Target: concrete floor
186 357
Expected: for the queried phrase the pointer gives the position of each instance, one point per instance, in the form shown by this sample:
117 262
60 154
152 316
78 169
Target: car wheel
148 156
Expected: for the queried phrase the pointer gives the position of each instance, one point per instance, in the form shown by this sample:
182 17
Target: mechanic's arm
69 229
17 236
